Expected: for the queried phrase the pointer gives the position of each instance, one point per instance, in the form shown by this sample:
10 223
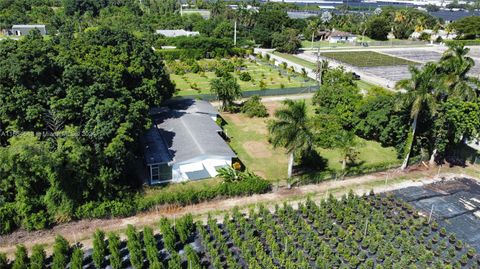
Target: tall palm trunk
414 128
432 157
344 164
290 164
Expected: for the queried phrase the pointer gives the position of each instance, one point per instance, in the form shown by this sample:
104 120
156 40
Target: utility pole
319 68
235 33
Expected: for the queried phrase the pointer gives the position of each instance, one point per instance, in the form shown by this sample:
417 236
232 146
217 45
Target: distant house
336 36
444 35
175 33
185 143
22 30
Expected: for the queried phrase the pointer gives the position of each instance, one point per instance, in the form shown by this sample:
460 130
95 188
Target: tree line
269 26
72 110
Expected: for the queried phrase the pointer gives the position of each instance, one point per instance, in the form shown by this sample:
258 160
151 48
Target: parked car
355 76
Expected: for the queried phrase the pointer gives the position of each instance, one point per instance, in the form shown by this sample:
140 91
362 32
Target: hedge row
472 42
351 171
191 195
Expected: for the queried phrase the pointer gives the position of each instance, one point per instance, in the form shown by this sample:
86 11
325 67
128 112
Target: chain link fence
266 92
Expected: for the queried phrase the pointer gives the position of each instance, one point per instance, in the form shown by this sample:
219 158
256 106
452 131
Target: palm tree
420 95
320 70
226 89
347 143
454 67
291 130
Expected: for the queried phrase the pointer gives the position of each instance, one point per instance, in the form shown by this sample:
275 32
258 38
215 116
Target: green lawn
369 152
366 58
296 60
249 139
272 78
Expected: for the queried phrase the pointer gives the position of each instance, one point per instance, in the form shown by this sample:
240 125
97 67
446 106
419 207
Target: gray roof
453 15
174 33
28 26
191 106
185 130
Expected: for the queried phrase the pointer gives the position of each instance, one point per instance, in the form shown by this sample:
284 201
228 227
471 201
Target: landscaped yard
366 58
249 139
199 83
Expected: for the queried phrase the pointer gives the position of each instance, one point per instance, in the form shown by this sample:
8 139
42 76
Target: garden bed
263 76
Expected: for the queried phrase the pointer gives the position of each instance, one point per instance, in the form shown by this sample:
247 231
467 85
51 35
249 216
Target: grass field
366 58
296 60
249 139
271 76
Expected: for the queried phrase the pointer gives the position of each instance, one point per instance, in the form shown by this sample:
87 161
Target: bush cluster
254 107
245 76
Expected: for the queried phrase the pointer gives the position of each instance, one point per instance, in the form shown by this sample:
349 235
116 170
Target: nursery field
366 58
355 232
270 77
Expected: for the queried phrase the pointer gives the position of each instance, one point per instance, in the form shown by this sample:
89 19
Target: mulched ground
455 204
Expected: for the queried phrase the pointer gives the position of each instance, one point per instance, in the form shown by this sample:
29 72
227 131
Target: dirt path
81 231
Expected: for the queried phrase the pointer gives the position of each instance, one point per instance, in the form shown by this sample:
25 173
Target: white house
433 36
336 36
186 143
175 33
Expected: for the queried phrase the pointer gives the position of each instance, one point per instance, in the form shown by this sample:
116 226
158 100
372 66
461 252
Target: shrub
175 261
169 237
106 209
114 249
185 227
37 260
192 258
21 258
134 247
245 76
263 85
77 258
8 218
221 72
3 261
254 107
60 253
151 247
99 248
